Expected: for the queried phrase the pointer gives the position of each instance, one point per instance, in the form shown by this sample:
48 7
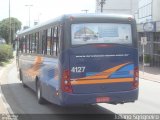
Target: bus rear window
88 33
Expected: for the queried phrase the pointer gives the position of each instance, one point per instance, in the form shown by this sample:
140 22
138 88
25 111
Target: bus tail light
136 78
66 84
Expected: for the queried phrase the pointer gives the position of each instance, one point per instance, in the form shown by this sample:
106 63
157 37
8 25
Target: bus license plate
102 99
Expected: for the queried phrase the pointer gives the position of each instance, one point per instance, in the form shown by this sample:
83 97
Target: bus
79 59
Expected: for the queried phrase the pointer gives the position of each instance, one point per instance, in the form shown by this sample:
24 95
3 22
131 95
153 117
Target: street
23 100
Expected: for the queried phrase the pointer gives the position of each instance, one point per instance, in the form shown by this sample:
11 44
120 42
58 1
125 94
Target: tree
5 28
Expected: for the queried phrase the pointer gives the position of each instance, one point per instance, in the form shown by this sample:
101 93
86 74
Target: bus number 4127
78 69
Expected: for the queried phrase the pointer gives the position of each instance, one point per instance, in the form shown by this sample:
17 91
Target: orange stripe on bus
82 82
105 74
34 70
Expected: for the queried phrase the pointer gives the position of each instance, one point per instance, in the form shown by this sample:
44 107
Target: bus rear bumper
114 98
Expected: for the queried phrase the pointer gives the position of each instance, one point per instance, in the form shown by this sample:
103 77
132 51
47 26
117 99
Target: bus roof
78 16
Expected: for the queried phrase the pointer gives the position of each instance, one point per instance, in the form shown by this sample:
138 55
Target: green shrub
147 58
6 52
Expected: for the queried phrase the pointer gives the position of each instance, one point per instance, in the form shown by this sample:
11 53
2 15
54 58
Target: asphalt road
23 101
148 101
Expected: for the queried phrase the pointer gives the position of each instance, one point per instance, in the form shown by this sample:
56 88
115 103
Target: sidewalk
3 105
150 73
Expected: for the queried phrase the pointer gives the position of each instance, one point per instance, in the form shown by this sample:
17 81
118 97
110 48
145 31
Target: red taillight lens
136 78
103 45
136 73
66 84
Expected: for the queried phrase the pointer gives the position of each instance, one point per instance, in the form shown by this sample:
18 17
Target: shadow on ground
24 104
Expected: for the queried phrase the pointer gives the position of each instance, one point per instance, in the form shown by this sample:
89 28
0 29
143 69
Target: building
148 10
118 6
149 27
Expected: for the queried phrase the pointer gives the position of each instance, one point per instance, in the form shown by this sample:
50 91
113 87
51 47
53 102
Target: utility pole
101 3
29 7
9 23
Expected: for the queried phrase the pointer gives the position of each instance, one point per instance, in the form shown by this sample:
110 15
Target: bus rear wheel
21 78
39 92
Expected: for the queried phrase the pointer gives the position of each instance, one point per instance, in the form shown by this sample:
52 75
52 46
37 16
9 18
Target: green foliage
6 52
147 58
5 28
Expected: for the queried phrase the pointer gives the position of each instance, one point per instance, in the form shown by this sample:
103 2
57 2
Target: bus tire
39 92
21 78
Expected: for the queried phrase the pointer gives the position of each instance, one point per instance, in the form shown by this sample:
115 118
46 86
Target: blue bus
80 59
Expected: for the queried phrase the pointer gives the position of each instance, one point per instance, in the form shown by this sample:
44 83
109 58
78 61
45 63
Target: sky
43 10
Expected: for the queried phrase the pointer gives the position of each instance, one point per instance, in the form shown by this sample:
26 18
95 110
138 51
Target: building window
145 10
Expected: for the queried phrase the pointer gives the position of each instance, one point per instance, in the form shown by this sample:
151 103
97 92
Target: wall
119 6
156 9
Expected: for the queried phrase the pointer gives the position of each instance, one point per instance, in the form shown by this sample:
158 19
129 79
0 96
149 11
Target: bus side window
37 43
49 32
33 44
30 43
59 38
27 47
52 41
23 44
54 46
44 42
26 38
20 45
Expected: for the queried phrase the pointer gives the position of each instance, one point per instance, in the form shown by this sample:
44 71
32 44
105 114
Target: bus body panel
99 70
50 78
47 72
115 97
26 62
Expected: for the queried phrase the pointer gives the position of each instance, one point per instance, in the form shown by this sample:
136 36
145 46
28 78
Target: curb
150 79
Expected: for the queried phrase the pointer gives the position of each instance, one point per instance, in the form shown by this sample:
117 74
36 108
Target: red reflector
135 83
136 73
103 45
102 99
